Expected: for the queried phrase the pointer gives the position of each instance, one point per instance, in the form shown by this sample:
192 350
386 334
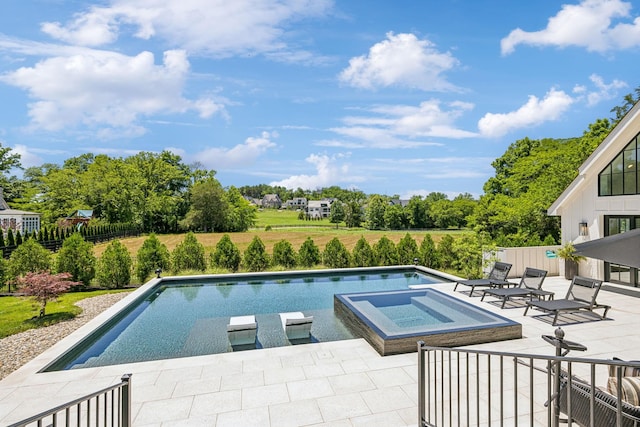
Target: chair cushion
627 371
630 389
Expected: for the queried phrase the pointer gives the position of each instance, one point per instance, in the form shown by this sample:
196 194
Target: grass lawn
17 313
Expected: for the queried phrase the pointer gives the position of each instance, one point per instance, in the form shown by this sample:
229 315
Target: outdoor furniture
530 286
581 296
296 326
497 278
242 330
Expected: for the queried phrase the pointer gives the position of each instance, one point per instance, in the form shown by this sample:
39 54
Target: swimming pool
181 316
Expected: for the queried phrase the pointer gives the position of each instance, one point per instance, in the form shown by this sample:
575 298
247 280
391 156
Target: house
17 220
80 216
271 201
319 208
604 199
296 203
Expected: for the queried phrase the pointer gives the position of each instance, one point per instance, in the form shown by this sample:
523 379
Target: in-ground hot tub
393 321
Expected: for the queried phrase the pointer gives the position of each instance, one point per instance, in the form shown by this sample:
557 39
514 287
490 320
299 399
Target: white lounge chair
296 326
242 330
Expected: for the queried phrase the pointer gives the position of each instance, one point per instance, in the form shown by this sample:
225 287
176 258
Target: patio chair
296 326
242 330
581 296
530 286
605 405
497 278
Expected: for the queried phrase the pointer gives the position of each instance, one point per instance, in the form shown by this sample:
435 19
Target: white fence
541 257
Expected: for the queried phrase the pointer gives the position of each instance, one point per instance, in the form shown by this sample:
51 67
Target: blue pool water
186 317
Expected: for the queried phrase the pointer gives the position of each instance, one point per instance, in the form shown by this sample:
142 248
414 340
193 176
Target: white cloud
213 27
28 156
534 112
587 25
328 170
401 60
107 91
242 155
402 126
604 91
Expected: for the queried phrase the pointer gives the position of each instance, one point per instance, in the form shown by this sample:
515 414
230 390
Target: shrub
335 254
76 258
363 255
445 251
45 287
255 256
114 266
226 255
468 256
386 252
29 257
407 250
152 255
188 255
284 254
309 253
428 252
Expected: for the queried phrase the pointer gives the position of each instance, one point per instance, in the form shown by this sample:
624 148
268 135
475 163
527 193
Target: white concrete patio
344 383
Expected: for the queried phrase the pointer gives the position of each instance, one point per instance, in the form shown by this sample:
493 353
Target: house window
620 177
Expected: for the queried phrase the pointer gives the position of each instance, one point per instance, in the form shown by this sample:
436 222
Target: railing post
125 401
421 384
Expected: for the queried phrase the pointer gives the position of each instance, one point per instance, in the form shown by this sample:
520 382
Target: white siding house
604 199
17 220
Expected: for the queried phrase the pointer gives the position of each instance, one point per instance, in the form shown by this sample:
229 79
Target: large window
621 176
616 224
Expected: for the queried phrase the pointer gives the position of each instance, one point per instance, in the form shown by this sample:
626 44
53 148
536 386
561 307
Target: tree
417 213
255 256
242 214
335 254
284 254
114 266
395 218
386 252
468 256
209 207
76 258
29 257
353 214
428 252
188 255
152 255
45 287
226 255
407 250
337 214
8 161
446 252
376 208
309 253
363 255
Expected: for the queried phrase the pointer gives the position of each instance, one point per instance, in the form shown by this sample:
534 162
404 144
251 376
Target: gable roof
610 147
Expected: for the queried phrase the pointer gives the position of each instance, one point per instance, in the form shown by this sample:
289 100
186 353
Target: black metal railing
110 406
461 387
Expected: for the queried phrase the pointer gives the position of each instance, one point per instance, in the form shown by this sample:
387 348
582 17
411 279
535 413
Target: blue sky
398 98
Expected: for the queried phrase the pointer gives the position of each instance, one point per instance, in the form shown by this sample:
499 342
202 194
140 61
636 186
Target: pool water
186 317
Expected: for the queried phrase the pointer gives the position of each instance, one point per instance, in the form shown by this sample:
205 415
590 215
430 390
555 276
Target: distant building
296 203
318 208
17 220
81 216
271 201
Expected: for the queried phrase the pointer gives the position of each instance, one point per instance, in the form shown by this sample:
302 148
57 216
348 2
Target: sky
399 98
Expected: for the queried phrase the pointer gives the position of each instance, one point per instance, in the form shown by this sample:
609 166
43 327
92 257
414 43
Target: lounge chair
530 286
296 326
497 278
581 296
242 330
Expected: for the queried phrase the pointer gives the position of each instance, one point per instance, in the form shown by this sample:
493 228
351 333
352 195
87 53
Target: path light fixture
158 272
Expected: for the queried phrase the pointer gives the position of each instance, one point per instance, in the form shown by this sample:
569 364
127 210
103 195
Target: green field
287 218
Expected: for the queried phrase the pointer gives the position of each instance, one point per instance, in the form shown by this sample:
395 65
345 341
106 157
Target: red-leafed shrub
45 287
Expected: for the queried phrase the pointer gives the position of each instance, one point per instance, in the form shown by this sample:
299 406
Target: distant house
296 203
318 208
271 201
398 202
17 220
81 216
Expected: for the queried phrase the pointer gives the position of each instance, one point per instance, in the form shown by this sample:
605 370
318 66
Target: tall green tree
309 253
353 214
153 254
210 208
407 250
242 214
386 251
428 252
336 255
226 255
363 255
284 254
255 257
188 255
376 207
76 258
337 214
113 268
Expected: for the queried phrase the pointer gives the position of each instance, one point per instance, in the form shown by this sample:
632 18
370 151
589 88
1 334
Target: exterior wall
533 256
25 223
